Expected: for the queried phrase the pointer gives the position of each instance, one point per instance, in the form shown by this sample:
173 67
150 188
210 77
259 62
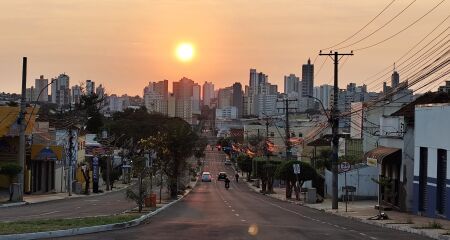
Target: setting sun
185 52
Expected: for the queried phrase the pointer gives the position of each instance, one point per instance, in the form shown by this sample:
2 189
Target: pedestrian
237 177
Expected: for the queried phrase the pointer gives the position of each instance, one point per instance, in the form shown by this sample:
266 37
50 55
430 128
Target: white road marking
43 214
242 220
232 210
237 215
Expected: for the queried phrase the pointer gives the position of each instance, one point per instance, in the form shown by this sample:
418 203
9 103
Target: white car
206 177
227 162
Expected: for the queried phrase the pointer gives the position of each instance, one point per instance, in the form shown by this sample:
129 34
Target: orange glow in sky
125 44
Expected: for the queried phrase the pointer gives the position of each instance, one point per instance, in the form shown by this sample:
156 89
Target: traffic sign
345 166
296 168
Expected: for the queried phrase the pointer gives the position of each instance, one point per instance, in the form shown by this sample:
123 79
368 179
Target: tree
265 170
11 170
285 171
174 145
138 195
90 104
244 163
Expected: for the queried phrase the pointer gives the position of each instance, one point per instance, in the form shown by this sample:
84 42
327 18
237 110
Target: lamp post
108 164
321 104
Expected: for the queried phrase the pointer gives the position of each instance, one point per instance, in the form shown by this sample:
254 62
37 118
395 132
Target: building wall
432 131
361 178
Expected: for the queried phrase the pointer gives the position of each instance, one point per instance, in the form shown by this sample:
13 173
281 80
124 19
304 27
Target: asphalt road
212 212
107 204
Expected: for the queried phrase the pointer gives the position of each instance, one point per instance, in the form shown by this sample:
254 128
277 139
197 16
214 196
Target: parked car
227 162
221 176
206 177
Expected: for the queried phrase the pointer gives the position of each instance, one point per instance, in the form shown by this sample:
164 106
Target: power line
373 19
410 50
404 29
382 26
427 52
321 66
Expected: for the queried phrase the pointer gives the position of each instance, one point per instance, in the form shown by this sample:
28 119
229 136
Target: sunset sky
124 44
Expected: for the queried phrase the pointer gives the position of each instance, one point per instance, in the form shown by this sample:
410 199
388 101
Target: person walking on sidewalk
237 177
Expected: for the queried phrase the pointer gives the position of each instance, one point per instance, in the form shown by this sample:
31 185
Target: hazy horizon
125 44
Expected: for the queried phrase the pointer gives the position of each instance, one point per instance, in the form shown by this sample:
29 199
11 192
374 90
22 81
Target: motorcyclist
237 177
227 183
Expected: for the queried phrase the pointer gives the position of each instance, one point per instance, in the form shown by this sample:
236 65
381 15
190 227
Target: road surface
211 212
107 204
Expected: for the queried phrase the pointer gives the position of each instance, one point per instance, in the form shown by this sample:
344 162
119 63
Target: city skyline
122 56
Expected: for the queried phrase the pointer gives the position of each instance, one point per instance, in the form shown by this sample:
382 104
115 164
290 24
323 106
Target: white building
431 168
267 105
40 87
90 87
324 93
155 102
208 93
61 90
196 98
291 84
76 94
229 112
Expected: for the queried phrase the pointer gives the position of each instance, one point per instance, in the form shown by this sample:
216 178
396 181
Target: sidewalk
363 210
38 198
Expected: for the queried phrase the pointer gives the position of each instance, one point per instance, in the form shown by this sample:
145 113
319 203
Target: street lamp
321 104
108 163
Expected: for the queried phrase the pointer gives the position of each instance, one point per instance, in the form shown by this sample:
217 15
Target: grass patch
61 224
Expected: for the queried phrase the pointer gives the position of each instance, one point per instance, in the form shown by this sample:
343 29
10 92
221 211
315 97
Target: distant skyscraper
225 98
76 94
156 97
238 99
308 83
29 94
61 90
183 92
395 79
100 91
90 87
40 87
196 93
445 88
208 93
291 84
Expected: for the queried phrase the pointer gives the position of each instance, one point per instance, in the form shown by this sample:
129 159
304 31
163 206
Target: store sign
372 162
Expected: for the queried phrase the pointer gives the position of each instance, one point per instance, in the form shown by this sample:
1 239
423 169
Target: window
441 180
423 166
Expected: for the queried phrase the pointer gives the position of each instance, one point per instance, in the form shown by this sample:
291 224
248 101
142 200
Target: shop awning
381 154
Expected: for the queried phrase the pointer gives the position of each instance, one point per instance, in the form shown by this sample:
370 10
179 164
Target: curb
15 204
371 222
92 229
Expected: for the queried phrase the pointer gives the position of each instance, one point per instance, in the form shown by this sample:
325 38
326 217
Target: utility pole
287 130
69 171
22 126
267 138
334 120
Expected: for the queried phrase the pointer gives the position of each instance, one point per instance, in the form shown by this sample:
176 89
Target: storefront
42 166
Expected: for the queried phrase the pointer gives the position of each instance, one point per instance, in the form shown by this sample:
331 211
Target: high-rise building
40 87
183 92
171 106
257 93
156 97
61 90
308 83
196 98
76 94
29 94
238 99
208 93
100 91
323 93
225 98
291 84
90 87
395 79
